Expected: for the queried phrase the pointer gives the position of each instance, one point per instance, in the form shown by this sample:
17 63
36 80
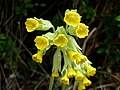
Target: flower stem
63 87
51 83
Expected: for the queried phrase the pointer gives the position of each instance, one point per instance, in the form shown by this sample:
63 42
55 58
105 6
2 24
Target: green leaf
117 18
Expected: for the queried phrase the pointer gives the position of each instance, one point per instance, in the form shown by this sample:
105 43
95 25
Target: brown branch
85 42
103 86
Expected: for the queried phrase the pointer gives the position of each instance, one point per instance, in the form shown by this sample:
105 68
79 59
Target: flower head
81 87
60 40
70 72
82 30
55 74
65 80
79 75
86 81
72 18
41 42
38 57
31 24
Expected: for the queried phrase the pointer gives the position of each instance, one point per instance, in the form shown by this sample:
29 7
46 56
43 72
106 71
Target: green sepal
73 10
73 44
67 62
50 35
61 30
72 30
57 60
44 24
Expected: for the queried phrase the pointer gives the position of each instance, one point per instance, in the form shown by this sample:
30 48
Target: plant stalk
51 83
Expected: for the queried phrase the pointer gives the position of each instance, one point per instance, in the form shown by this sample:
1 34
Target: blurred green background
17 69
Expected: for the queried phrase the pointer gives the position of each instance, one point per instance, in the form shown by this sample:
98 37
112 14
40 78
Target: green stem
53 29
51 83
63 87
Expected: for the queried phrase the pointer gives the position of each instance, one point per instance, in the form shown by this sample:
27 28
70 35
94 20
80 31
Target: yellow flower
79 75
90 70
82 30
74 55
77 56
86 81
70 72
55 74
65 80
38 57
60 40
83 58
81 87
41 42
72 18
31 24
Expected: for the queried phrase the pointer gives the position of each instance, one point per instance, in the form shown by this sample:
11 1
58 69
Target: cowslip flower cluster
75 64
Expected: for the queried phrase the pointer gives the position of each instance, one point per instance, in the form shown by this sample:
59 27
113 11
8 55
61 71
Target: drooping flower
82 30
64 80
72 18
31 24
38 57
79 75
60 40
41 42
83 58
74 55
90 70
86 81
70 72
55 74
81 87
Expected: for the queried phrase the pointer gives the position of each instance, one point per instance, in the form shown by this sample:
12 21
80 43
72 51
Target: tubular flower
31 24
55 74
72 18
86 81
74 56
71 72
83 58
41 42
79 75
38 57
82 30
81 87
90 70
65 80
60 40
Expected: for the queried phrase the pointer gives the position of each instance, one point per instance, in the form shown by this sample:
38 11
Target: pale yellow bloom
72 18
90 70
31 24
70 72
79 75
83 58
86 81
64 80
77 56
82 30
81 87
38 57
60 40
41 42
74 55
55 74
